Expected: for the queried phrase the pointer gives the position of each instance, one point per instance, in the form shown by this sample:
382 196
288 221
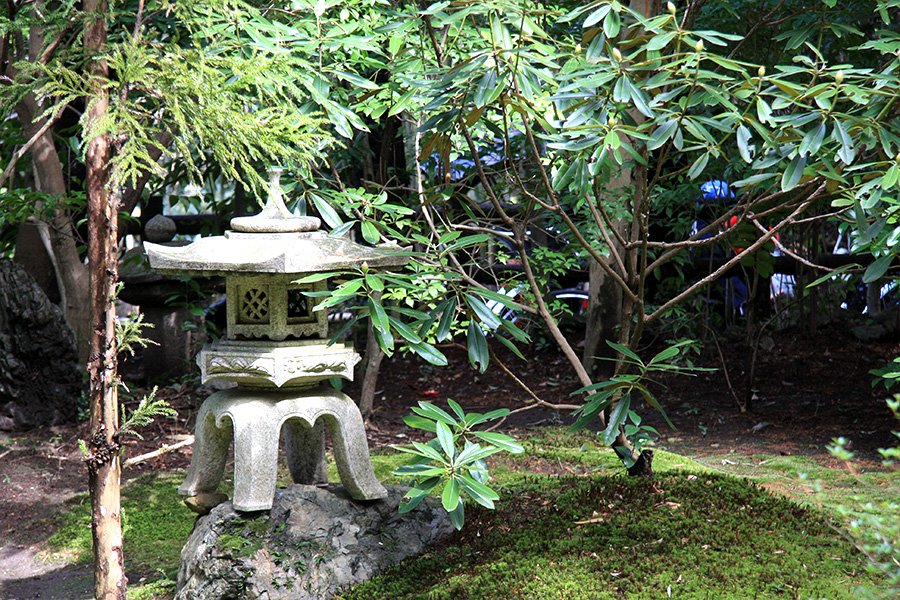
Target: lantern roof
289 253
273 241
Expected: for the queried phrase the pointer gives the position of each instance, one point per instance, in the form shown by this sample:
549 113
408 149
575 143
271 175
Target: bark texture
104 460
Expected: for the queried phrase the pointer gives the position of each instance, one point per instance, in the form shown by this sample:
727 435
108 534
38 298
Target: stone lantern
276 351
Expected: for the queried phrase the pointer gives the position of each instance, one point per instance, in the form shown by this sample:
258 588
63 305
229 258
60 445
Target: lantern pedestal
256 418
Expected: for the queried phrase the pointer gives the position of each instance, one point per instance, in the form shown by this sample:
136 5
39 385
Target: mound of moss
679 536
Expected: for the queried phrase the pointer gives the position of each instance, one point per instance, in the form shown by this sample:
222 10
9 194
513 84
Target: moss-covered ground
571 526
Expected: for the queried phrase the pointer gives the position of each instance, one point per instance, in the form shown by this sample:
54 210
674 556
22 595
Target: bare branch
158 452
735 259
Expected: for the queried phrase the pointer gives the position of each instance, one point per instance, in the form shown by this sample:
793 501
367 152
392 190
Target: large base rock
313 542
40 379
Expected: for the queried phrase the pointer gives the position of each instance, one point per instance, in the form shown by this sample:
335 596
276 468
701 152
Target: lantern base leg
256 418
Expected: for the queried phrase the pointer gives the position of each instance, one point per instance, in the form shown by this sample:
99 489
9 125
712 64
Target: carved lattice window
298 306
254 306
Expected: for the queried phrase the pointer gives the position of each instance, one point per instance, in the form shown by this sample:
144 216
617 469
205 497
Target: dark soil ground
810 388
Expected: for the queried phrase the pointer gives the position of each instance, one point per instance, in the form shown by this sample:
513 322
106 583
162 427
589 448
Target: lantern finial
275 217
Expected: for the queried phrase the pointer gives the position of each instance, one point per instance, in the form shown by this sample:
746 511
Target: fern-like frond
149 408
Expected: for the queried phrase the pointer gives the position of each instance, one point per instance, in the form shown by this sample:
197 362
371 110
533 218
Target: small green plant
130 333
887 374
875 529
453 458
614 397
148 408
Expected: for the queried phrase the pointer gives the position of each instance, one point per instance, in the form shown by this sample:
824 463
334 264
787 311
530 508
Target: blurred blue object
716 189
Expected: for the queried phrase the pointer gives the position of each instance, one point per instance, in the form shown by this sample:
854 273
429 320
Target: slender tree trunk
374 355
103 463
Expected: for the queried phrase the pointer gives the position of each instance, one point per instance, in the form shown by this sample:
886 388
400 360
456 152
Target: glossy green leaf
812 141
418 422
478 348
612 24
662 134
639 98
458 516
445 437
385 341
624 350
326 211
846 152
447 317
616 418
479 492
418 493
891 176
404 330
743 141
430 411
379 316
699 166
456 408
485 314
764 111
596 16
370 232
878 268
512 347
450 496
500 440
313 278
342 230
374 282
474 453
599 402
793 173
485 88
429 353
429 452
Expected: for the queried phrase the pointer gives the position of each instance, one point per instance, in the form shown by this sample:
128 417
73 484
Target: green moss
161 589
694 536
155 525
692 529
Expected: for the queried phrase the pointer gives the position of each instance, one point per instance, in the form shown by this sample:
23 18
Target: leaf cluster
453 458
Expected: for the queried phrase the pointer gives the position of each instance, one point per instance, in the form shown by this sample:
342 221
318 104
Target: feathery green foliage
212 77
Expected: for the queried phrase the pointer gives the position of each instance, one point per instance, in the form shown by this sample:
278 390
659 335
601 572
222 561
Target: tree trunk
103 463
374 355
605 297
57 235
604 315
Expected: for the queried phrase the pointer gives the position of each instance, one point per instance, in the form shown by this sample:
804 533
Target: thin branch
725 370
159 452
537 400
733 261
791 253
21 152
760 23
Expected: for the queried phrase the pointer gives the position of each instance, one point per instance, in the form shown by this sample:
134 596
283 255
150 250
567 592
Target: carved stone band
276 364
